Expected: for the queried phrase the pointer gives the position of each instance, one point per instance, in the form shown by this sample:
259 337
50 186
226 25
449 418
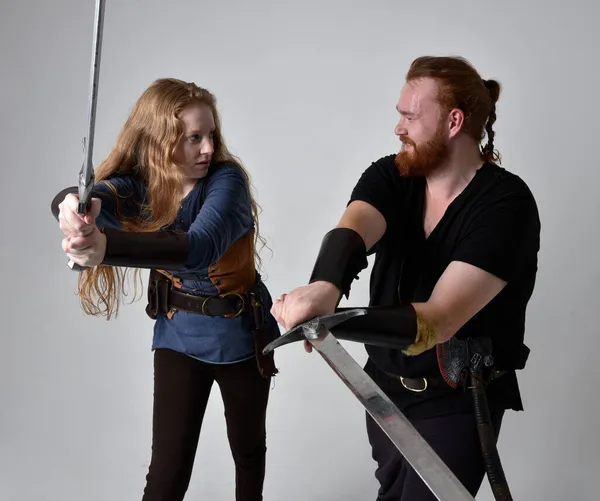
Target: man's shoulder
384 171
505 180
503 195
385 164
503 184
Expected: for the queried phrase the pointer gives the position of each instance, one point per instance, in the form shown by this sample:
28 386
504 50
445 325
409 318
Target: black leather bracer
157 249
393 327
343 255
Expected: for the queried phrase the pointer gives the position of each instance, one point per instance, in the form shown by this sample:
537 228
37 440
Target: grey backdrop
307 93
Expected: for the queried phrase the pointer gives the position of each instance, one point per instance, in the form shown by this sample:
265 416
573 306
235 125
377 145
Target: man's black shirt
492 224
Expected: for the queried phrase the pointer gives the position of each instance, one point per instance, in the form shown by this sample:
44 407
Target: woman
171 198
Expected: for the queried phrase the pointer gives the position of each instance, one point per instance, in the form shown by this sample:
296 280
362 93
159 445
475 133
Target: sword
86 173
418 453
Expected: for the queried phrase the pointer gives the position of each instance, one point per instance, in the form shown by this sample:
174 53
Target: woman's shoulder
227 177
226 170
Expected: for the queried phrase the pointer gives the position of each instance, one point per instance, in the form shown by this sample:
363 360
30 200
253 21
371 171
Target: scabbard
487 439
471 361
261 334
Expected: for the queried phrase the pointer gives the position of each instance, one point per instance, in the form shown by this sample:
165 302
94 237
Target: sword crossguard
311 329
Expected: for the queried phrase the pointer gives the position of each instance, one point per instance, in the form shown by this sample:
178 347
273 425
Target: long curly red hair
147 143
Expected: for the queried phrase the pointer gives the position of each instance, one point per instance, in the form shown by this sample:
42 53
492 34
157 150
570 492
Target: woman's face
194 152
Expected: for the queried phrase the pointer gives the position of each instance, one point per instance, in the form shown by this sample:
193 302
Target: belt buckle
242 305
233 315
415 390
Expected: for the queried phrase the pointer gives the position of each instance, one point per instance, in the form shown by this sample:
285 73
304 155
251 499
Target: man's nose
400 129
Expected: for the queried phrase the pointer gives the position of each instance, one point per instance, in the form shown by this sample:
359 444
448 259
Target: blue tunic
215 215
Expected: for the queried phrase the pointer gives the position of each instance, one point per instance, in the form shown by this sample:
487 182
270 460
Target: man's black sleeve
376 186
502 236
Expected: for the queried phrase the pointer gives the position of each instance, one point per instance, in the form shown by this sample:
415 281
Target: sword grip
82 208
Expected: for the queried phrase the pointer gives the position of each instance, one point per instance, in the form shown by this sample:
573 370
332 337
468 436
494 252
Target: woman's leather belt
165 297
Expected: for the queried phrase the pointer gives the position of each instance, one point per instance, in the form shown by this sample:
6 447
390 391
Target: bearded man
456 239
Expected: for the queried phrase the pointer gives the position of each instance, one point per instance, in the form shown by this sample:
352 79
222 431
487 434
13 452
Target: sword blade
433 471
86 173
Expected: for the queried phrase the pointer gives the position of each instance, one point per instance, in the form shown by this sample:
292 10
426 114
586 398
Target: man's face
421 128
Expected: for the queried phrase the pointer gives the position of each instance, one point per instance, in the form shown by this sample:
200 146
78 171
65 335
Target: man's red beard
424 159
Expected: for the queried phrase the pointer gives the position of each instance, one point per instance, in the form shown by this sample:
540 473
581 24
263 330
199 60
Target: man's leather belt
420 384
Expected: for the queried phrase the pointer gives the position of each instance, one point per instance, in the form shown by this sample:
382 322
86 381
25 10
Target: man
455 238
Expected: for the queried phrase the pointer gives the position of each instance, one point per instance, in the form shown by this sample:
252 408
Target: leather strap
231 305
165 296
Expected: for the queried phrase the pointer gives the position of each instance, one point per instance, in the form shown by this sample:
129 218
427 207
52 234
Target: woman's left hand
87 250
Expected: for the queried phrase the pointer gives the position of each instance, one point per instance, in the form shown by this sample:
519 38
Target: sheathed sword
86 173
433 471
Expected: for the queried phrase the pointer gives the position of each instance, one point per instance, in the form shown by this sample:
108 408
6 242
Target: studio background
307 93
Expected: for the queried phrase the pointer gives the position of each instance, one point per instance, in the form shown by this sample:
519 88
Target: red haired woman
172 199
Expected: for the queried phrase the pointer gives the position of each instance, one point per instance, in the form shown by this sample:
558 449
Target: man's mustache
408 140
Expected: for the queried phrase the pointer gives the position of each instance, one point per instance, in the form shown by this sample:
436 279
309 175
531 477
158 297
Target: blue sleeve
120 198
225 216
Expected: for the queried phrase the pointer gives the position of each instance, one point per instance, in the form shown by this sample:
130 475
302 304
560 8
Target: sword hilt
83 207
311 328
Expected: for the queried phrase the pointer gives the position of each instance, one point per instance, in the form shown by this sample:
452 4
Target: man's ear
456 120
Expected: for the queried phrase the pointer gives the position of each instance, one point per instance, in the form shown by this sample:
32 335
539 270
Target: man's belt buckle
234 315
416 390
